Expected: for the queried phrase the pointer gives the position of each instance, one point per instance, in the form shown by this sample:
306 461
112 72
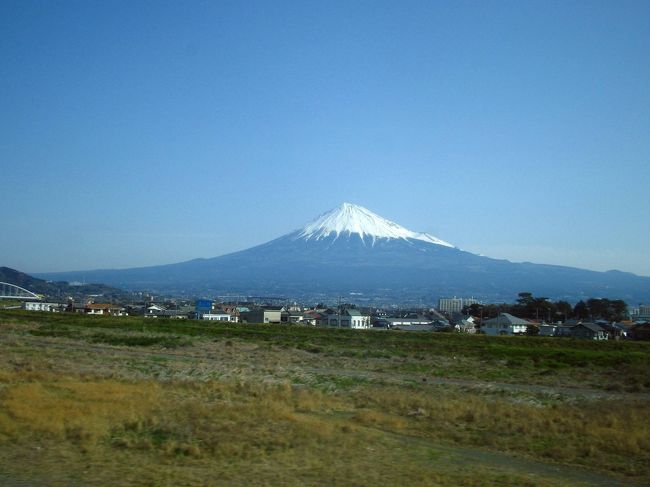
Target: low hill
60 290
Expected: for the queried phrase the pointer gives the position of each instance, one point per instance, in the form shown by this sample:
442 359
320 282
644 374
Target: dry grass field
128 401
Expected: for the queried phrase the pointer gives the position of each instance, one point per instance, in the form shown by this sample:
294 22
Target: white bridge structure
11 291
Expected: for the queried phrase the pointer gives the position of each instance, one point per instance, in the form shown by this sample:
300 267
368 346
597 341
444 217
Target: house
153 310
75 306
220 316
614 330
357 319
590 331
315 317
295 317
547 329
104 309
205 309
466 325
347 318
625 326
268 314
565 329
156 311
640 331
505 324
232 311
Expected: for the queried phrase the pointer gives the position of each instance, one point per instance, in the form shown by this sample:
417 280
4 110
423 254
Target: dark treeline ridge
540 308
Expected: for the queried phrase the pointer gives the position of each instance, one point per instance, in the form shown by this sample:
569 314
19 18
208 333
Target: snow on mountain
354 219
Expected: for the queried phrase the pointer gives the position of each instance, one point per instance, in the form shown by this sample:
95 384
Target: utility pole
338 318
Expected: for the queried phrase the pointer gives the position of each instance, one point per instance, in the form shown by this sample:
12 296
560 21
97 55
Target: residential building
40 306
644 313
268 314
348 318
590 331
357 319
455 305
315 317
547 330
156 311
220 316
505 324
466 325
450 305
294 313
640 331
104 309
202 306
153 310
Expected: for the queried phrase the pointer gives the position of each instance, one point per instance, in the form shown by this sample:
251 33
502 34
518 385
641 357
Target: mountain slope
351 249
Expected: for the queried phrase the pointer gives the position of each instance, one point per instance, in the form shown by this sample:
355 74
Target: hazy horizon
137 134
288 232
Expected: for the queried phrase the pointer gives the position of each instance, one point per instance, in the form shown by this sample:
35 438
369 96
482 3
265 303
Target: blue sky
138 133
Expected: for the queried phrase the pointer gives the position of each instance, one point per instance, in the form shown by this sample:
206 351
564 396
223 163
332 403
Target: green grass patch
451 354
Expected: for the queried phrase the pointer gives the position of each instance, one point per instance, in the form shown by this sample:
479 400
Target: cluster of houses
507 324
359 319
89 307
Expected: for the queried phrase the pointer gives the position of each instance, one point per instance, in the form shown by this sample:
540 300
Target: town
594 319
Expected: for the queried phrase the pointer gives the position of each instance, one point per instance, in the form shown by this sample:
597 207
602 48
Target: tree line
540 308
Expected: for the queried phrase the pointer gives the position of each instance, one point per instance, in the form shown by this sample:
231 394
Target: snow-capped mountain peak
355 219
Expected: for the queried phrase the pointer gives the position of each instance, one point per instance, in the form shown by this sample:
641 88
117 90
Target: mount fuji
351 250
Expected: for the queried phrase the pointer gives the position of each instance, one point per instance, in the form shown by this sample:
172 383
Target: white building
104 309
216 316
644 312
417 320
349 318
450 305
455 305
40 306
466 325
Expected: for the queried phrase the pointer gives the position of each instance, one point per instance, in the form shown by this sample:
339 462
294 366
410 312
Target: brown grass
81 410
240 414
613 435
248 432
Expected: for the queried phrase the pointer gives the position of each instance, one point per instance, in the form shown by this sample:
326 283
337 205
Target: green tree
563 310
580 310
618 310
535 308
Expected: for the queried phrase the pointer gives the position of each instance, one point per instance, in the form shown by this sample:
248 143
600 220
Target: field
130 401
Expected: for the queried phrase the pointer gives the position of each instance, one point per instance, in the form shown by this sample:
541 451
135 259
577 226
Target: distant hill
60 290
352 250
